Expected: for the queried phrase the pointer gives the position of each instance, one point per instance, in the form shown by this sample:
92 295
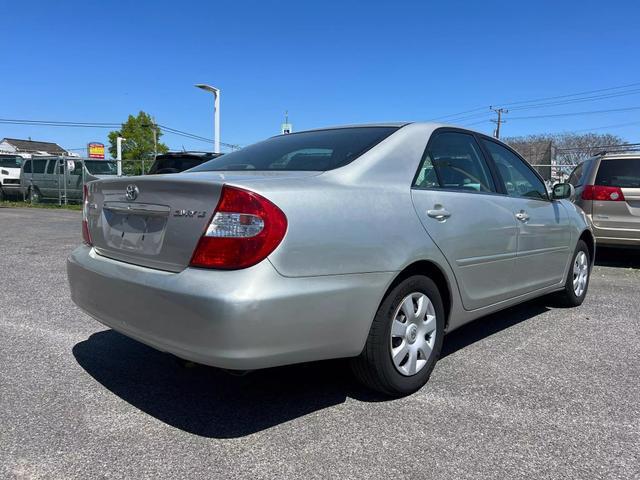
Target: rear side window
624 173
27 166
38 166
454 161
519 180
51 166
575 178
319 150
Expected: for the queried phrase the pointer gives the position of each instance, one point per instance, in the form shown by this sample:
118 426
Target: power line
569 114
59 123
567 100
572 94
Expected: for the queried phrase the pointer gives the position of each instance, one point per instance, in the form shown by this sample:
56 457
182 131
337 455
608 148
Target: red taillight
244 230
86 236
602 193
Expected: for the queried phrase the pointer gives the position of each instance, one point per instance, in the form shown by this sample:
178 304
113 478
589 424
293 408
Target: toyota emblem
131 192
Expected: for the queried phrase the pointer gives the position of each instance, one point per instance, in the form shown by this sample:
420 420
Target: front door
455 196
544 233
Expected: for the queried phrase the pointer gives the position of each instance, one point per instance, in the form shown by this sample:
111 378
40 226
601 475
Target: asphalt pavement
531 392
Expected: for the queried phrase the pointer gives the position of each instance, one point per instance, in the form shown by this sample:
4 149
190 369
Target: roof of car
378 124
188 153
619 155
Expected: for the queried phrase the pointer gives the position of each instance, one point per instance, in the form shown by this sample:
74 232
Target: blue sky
325 62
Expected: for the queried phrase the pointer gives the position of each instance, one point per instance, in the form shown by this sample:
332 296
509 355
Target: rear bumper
616 236
244 319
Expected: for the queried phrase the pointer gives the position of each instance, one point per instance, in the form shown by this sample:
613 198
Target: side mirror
563 190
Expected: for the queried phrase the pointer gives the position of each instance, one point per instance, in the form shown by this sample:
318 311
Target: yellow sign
96 150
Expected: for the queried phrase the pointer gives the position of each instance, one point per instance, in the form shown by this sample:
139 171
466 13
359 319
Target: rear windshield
10 162
319 150
101 167
619 173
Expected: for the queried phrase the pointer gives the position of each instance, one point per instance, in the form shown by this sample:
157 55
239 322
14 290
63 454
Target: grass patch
53 205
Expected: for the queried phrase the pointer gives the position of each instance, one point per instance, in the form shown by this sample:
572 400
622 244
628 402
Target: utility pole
499 121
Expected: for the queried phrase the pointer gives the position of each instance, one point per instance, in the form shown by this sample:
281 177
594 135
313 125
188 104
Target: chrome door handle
439 214
522 216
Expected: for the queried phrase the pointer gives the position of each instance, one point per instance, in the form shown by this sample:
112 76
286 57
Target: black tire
374 367
568 297
2 195
34 195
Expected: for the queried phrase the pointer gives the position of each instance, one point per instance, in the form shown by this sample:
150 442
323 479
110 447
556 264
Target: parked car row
39 178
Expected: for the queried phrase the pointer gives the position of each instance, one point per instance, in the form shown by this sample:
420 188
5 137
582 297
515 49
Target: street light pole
119 154
216 114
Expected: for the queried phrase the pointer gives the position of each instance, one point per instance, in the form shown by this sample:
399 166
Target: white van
10 175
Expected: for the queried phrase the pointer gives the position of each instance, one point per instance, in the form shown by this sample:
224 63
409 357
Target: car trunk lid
156 221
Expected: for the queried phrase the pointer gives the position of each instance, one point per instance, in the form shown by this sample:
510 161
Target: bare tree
569 148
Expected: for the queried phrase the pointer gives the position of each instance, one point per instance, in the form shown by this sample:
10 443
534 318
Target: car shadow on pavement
209 402
618 257
496 322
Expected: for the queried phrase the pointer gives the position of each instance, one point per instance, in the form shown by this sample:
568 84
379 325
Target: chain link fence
60 179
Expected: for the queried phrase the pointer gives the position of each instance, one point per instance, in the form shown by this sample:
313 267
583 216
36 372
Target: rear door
619 215
74 179
472 223
544 234
38 177
50 181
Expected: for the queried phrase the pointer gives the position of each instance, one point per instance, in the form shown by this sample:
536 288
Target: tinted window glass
519 180
10 162
319 150
175 164
51 166
38 166
27 166
99 167
619 173
454 161
575 178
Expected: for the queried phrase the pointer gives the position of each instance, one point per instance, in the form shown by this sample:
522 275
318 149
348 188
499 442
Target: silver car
608 190
369 242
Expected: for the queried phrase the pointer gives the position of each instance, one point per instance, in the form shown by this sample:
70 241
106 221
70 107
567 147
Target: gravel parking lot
531 392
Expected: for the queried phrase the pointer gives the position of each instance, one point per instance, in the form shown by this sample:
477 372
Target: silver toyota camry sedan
363 242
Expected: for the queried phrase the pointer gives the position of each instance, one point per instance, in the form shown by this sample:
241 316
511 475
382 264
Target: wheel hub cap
580 273
413 333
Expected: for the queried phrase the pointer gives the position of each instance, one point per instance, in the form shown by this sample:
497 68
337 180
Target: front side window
318 150
51 166
519 180
453 161
27 166
623 173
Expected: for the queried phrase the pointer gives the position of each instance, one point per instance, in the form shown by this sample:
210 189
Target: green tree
139 143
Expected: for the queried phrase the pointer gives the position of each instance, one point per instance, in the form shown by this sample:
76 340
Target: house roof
34 146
